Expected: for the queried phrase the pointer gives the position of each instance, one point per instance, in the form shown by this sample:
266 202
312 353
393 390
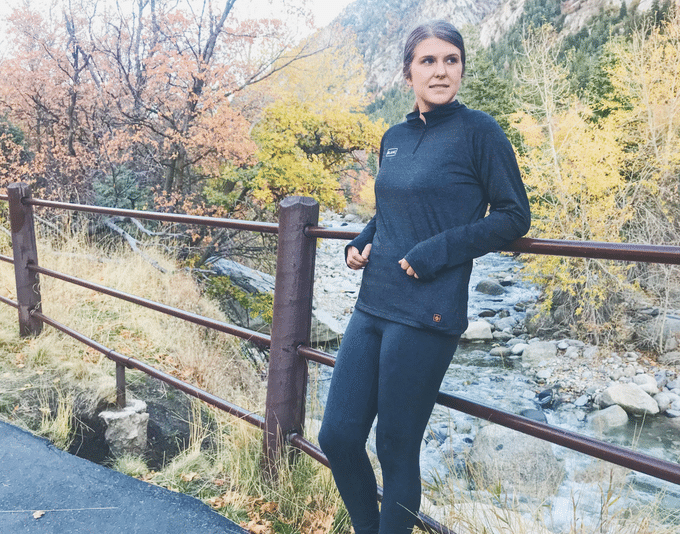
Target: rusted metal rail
643 463
598 250
557 247
236 224
258 338
9 302
132 363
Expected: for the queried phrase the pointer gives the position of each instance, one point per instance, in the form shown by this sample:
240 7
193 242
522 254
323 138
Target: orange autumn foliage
96 88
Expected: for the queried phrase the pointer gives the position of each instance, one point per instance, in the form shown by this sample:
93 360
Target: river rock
506 323
647 383
605 420
478 331
581 401
664 400
490 287
502 336
515 461
503 352
544 374
536 415
538 352
631 398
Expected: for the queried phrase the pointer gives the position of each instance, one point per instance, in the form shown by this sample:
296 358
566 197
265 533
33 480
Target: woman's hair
438 28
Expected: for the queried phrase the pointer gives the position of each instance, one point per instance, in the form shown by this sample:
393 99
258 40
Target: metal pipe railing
557 247
243 333
236 224
129 362
9 302
610 251
571 440
597 250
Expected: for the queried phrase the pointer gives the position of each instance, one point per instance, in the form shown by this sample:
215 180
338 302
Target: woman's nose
440 69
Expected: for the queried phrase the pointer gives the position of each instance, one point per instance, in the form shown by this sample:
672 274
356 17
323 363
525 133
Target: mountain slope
382 26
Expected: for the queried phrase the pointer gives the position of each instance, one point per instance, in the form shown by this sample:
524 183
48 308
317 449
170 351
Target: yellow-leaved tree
644 104
313 137
572 169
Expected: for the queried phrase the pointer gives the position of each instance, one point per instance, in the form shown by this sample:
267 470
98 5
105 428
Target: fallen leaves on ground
262 514
188 477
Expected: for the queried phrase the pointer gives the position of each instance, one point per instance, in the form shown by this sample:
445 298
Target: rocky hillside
382 25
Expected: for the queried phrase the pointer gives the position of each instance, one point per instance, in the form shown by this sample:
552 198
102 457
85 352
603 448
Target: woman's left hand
409 270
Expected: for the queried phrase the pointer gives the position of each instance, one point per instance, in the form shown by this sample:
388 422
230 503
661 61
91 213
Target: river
504 383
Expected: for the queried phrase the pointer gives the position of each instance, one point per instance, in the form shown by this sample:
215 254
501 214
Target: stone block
126 429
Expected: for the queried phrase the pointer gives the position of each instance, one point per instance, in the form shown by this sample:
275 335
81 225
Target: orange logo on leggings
437 318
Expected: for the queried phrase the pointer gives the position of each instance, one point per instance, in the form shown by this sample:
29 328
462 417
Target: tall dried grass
41 378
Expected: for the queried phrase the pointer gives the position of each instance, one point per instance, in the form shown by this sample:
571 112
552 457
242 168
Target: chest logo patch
437 318
391 152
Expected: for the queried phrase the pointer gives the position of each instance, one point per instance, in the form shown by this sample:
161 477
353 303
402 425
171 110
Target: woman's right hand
355 259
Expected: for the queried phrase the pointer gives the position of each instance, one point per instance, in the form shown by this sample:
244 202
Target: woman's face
436 73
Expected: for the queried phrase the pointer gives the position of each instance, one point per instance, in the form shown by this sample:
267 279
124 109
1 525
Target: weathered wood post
291 326
25 254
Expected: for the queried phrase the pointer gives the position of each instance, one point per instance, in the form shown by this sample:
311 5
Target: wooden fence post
291 326
25 254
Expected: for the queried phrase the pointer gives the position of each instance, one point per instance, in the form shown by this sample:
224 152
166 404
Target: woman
439 171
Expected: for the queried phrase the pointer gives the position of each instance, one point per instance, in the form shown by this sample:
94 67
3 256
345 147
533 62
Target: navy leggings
393 371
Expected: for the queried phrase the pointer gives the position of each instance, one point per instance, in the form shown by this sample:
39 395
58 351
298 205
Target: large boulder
631 398
647 383
665 328
325 328
503 457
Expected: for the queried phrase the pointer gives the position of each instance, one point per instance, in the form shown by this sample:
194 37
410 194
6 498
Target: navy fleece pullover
435 183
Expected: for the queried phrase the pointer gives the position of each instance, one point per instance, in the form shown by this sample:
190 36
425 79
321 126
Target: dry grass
208 359
602 500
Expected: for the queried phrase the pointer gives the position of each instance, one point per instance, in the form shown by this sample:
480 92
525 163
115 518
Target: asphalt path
44 490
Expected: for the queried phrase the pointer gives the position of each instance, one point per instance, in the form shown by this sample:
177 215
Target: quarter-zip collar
437 115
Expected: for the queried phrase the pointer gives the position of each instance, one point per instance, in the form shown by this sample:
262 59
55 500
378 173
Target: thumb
367 250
